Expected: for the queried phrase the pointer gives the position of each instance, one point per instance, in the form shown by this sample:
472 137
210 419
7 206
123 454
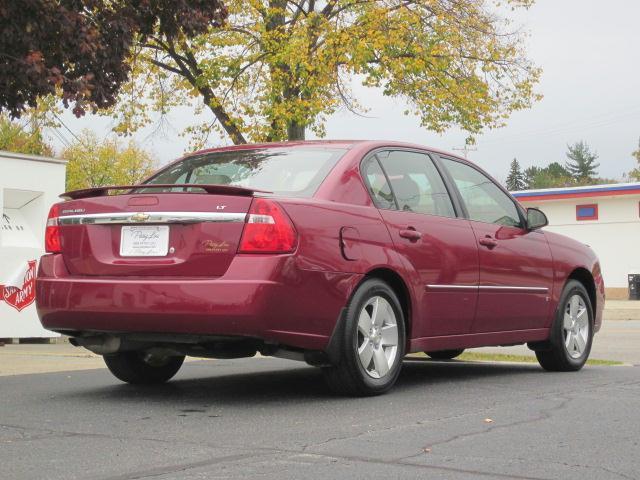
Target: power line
61 137
67 128
597 121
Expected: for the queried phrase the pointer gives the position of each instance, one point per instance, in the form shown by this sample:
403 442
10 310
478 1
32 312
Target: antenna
465 150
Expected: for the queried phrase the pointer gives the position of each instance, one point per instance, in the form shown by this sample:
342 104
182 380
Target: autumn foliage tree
79 48
92 162
23 137
278 68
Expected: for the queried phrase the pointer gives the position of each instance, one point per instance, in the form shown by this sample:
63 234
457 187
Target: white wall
29 185
615 236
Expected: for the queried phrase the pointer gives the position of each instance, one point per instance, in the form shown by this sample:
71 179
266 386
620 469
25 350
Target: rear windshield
288 171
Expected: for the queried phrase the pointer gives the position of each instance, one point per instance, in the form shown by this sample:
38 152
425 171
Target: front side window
416 183
485 201
287 171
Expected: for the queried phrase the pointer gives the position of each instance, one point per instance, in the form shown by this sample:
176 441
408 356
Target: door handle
411 234
488 242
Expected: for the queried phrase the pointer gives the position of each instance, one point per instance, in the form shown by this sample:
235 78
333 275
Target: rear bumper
266 297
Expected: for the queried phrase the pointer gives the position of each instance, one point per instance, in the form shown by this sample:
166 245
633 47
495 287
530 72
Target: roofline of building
609 190
32 158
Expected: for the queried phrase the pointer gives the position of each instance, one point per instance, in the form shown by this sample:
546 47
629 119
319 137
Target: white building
29 185
606 217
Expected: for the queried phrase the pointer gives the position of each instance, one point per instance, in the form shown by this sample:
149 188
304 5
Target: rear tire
571 336
371 344
141 368
445 354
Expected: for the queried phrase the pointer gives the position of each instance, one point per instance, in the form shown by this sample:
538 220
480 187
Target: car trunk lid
143 233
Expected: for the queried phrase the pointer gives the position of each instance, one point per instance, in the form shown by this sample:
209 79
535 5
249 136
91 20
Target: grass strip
506 357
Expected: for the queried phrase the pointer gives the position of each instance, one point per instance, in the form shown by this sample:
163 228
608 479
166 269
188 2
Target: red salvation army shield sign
21 297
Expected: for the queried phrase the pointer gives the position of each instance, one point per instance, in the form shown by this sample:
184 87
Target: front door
440 250
516 271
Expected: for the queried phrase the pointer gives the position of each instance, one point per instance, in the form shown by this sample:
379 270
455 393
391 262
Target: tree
515 179
635 173
78 48
18 138
95 163
555 170
581 164
553 175
280 67
530 175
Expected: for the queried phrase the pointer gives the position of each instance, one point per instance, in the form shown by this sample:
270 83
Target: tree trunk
190 70
229 126
295 131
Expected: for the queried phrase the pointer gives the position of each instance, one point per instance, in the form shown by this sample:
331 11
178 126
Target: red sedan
345 254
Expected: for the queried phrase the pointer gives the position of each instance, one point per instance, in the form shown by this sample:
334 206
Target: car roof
347 144
296 143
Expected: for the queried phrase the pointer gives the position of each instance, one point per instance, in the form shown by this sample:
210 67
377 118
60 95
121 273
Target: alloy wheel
576 326
377 337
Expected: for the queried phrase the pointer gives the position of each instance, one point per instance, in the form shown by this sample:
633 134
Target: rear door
438 248
516 271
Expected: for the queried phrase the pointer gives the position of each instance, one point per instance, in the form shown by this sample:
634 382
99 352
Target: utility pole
465 150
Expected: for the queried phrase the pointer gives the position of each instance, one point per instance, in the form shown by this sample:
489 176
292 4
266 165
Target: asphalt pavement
270 418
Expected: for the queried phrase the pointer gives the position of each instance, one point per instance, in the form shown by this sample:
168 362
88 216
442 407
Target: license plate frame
144 240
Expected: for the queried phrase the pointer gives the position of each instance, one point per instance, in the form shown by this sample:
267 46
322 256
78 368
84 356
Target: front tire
371 344
571 337
445 354
143 368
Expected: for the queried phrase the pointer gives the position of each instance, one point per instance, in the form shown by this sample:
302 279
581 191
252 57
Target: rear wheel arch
366 360
399 286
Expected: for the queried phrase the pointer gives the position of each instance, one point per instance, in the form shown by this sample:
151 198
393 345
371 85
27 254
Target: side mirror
536 219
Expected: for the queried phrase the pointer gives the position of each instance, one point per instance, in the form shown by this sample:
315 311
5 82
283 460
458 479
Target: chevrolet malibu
345 254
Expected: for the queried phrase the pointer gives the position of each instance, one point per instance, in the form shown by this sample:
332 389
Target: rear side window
485 201
289 171
416 183
377 184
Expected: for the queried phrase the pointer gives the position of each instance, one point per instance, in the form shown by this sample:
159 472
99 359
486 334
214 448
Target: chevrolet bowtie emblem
140 217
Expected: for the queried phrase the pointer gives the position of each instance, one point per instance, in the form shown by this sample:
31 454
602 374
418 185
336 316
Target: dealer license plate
144 241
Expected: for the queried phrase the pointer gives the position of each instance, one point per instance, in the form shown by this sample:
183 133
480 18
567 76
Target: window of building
587 212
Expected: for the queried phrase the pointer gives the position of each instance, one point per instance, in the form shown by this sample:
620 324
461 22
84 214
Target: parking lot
63 416
275 419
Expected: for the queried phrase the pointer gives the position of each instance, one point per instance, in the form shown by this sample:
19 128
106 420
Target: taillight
268 229
52 232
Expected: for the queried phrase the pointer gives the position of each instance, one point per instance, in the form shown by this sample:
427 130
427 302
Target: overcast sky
589 53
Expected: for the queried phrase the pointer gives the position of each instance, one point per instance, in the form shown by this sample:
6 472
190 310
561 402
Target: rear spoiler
211 189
